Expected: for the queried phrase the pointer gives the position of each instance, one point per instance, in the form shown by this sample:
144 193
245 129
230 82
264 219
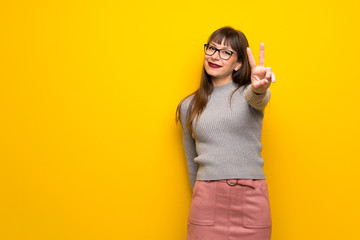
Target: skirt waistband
235 181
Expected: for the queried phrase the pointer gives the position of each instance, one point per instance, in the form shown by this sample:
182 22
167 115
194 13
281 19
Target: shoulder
184 104
244 88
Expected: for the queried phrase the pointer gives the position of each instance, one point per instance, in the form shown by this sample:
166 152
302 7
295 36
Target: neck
222 81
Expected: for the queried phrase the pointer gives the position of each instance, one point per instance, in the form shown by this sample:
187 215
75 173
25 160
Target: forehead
223 45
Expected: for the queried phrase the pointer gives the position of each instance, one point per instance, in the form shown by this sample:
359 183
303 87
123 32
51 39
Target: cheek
233 64
205 60
205 63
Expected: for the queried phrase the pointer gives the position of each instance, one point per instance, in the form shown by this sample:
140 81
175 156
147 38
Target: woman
223 145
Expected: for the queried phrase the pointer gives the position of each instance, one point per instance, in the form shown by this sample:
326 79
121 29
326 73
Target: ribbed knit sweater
226 142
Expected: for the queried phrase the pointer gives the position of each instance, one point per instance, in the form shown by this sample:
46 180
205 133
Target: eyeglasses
223 53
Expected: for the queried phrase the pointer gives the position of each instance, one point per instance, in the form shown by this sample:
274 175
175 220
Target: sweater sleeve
257 101
189 146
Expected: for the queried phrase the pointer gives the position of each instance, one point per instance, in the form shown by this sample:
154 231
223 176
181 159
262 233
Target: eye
212 48
227 52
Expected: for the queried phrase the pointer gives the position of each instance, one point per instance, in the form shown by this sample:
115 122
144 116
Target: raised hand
261 77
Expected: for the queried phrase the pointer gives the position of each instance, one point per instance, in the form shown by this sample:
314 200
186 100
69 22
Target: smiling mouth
213 65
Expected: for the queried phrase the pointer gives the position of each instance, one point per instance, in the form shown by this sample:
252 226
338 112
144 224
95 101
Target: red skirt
234 209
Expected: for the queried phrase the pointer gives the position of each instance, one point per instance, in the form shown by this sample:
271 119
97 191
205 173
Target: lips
213 65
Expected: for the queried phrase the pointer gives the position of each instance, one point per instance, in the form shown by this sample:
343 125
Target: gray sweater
226 142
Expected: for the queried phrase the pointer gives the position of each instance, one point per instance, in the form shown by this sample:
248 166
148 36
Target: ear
238 66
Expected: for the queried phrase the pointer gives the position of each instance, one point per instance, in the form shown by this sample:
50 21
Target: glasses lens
209 50
225 54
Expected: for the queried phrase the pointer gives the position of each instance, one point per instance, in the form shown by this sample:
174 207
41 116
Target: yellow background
89 148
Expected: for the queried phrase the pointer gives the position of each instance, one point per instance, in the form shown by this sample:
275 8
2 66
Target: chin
212 74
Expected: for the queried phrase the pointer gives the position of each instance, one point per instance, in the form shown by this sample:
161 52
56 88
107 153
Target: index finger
261 55
251 58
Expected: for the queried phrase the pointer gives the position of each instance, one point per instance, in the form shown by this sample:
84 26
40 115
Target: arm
189 146
257 101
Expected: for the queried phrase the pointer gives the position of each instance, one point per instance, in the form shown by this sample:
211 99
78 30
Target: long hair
238 42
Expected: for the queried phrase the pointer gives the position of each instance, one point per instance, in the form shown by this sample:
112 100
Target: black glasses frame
206 45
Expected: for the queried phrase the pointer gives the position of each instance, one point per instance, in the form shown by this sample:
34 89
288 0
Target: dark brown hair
238 42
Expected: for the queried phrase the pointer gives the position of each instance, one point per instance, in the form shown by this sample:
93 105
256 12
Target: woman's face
226 66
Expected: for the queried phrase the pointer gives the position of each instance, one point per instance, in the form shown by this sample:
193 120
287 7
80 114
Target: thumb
257 84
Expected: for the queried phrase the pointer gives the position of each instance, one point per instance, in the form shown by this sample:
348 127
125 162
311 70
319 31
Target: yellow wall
88 91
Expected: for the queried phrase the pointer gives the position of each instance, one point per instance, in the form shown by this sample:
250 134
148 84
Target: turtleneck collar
229 85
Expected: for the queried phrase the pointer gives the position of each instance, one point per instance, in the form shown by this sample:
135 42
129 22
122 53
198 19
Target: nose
216 55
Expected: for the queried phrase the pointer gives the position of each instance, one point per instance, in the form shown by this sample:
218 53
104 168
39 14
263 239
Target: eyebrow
220 48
